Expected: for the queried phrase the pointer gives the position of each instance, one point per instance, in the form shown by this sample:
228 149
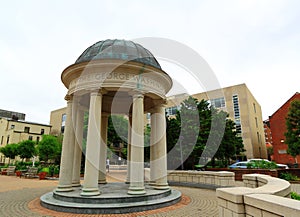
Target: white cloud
251 41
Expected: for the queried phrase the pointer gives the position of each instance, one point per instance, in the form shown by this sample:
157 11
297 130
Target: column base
136 190
76 184
64 188
102 181
90 192
161 186
152 183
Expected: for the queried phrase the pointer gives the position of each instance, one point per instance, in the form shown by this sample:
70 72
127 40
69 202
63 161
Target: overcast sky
252 42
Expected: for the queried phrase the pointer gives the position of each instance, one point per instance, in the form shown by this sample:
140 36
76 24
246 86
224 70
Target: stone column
78 146
90 184
153 144
103 149
160 150
66 165
137 146
129 149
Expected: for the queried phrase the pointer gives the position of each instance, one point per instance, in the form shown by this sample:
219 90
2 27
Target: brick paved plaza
20 198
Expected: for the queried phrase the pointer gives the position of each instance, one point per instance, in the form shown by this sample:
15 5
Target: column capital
98 91
137 93
69 97
158 104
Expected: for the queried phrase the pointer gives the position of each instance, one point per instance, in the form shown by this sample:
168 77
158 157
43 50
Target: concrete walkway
20 198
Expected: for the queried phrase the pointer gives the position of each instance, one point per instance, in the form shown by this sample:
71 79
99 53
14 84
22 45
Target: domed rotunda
113 77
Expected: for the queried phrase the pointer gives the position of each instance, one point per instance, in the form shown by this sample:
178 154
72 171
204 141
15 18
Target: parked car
240 165
282 166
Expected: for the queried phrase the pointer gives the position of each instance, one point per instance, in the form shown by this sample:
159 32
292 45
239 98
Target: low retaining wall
240 172
206 179
262 195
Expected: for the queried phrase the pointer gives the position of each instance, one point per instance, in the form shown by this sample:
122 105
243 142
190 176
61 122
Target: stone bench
262 195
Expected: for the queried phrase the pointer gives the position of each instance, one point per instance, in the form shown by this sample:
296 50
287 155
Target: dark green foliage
10 150
49 148
288 177
117 129
293 129
147 133
262 165
21 165
202 132
27 149
231 144
295 196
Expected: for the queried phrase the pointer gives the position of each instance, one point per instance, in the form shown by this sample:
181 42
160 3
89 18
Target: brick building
269 139
278 128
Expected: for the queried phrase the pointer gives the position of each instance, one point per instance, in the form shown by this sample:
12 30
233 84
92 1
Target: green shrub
262 165
20 165
295 196
288 177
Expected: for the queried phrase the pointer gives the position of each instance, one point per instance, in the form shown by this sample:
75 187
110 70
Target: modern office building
242 107
237 100
278 128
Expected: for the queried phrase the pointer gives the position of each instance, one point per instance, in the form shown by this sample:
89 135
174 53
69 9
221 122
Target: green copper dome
118 49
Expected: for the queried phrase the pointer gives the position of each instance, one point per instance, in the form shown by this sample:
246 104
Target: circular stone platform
113 200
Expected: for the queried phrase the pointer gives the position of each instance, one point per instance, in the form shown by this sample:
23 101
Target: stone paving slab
20 198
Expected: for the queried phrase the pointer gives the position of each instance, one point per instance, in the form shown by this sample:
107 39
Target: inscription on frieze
142 79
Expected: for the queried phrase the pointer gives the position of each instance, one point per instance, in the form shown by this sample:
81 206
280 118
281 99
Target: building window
282 151
62 130
26 129
63 120
218 102
30 137
236 113
172 110
2 140
37 139
256 123
254 107
42 131
7 141
12 126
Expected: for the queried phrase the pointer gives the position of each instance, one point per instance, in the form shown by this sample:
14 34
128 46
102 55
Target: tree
147 134
10 151
231 144
48 148
293 129
117 129
202 132
26 149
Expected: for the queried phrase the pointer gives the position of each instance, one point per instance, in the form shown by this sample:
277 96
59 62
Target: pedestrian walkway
20 198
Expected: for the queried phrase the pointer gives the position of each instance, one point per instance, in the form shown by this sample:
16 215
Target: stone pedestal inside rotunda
113 77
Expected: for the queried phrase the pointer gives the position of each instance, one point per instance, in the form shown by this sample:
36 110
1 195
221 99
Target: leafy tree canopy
293 129
27 149
49 148
10 150
117 129
201 129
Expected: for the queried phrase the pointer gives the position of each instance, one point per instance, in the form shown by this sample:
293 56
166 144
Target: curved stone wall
262 195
